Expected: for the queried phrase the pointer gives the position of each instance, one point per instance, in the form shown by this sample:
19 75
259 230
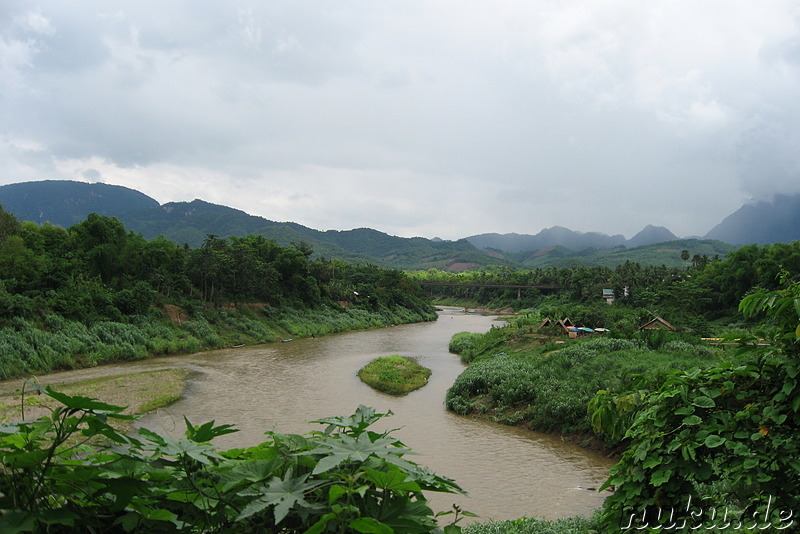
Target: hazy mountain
762 222
650 235
549 237
665 253
558 236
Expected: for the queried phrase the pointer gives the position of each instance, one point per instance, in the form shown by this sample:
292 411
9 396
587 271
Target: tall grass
322 321
26 348
395 374
550 391
526 525
58 343
470 345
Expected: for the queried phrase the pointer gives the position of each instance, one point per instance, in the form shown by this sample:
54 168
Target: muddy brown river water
508 472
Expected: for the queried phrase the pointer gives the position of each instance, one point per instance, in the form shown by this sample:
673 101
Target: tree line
705 290
96 270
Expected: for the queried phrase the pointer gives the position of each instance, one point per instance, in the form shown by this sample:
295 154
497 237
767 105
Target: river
508 472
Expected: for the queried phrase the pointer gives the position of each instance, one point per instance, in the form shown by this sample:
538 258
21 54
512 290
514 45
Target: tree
100 242
8 224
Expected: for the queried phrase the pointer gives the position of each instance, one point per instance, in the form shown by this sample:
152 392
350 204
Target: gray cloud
444 119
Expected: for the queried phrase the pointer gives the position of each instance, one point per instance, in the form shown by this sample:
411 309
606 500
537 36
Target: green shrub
346 478
396 375
720 438
551 391
473 345
464 342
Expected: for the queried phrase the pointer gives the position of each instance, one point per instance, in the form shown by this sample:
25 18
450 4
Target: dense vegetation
72 471
94 293
395 374
708 437
721 438
549 389
700 295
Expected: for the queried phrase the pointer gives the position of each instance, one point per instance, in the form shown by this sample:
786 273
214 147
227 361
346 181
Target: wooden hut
657 324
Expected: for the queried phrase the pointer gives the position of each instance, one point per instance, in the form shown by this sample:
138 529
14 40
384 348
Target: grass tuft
395 375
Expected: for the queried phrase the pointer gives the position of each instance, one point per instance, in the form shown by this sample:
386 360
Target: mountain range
64 203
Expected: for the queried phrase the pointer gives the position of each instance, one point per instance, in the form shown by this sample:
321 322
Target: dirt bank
139 392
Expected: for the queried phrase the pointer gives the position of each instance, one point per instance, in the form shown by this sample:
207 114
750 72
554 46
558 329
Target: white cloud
35 22
430 118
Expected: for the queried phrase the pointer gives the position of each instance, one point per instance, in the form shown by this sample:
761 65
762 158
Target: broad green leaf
335 493
27 459
9 429
369 525
18 441
319 526
692 420
394 480
206 432
12 522
704 402
58 516
661 476
750 463
95 427
402 514
160 514
713 440
651 462
283 494
254 470
345 448
363 417
77 402
129 521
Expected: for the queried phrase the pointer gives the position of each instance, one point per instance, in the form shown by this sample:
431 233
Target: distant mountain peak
763 222
649 235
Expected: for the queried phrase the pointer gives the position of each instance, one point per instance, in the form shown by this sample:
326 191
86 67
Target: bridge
518 287
544 287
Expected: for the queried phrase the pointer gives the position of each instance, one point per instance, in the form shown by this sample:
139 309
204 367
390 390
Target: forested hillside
96 292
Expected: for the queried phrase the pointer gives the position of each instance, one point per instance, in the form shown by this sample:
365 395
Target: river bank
142 392
31 347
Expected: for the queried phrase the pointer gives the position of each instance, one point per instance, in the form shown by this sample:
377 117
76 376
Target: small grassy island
395 375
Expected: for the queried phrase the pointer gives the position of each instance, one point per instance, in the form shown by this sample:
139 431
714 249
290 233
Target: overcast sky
443 118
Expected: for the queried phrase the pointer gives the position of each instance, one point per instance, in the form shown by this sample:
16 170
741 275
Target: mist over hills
65 203
564 237
761 222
